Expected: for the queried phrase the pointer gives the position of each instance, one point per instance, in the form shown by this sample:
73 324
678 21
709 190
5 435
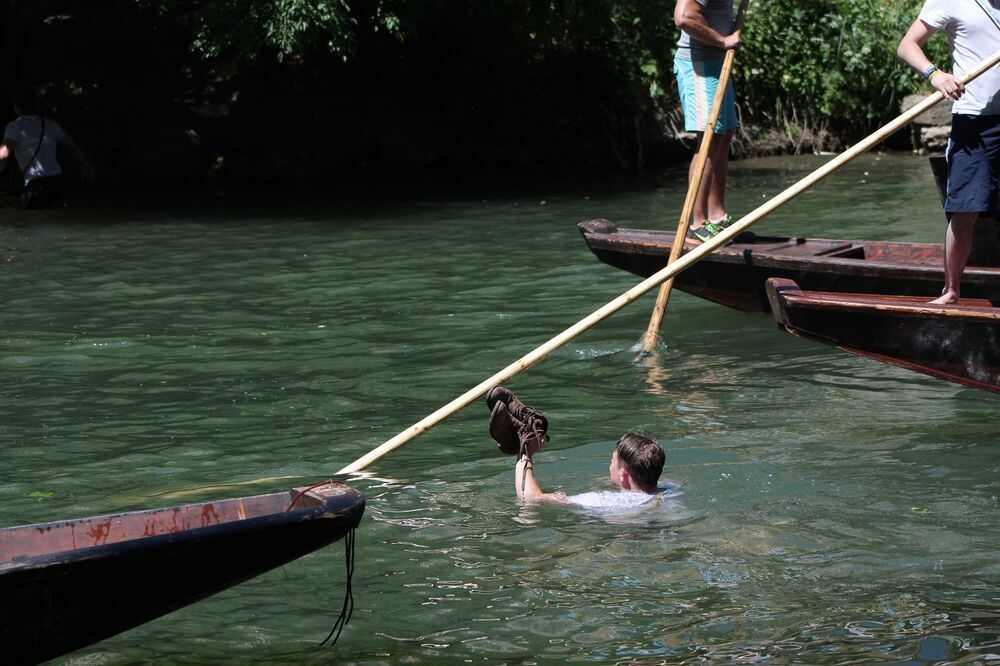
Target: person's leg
969 192
715 199
699 213
696 83
727 124
957 245
992 141
712 196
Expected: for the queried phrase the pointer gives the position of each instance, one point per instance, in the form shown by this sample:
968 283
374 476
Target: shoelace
533 422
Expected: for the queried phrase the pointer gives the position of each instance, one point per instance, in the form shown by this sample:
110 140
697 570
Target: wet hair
26 102
642 457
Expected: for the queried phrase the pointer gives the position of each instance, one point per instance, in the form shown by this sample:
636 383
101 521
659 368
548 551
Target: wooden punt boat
959 343
735 275
67 584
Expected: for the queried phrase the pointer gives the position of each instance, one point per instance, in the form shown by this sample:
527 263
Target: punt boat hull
67 584
958 343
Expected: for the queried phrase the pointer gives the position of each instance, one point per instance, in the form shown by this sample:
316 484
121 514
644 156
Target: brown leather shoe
520 411
514 437
503 430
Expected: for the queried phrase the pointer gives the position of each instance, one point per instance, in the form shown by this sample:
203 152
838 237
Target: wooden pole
652 335
665 273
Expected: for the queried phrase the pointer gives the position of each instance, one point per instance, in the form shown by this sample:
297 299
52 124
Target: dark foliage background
299 90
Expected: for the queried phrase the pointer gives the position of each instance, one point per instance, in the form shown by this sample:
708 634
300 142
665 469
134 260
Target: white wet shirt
613 501
973 29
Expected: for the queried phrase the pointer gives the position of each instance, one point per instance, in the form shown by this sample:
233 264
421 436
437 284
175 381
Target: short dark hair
642 458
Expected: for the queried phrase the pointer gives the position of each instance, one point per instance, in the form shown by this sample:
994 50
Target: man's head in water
636 463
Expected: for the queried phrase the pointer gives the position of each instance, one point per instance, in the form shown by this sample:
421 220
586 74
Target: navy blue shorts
973 164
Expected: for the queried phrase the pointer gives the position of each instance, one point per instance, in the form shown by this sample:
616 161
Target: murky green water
833 509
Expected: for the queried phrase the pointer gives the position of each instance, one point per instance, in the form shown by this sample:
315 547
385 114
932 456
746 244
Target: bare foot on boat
947 298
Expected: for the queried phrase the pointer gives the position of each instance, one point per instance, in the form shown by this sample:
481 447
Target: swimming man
636 462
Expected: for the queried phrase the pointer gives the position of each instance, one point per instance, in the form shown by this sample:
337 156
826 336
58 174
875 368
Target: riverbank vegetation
303 90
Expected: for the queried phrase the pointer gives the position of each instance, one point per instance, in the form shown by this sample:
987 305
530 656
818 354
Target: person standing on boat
520 430
973 29
34 139
706 34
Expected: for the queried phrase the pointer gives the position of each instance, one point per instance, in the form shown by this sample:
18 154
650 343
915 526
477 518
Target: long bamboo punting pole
652 335
665 273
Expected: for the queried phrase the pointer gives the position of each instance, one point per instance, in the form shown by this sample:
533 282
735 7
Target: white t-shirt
24 132
973 38
613 501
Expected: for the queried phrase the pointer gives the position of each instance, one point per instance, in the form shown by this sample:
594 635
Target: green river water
833 509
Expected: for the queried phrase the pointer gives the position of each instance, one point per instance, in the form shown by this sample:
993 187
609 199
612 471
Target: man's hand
6 148
949 86
731 41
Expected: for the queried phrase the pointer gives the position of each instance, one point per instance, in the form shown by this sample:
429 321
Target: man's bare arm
527 487
689 16
911 52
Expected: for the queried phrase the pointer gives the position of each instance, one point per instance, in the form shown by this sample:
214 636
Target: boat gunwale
736 254
977 310
345 503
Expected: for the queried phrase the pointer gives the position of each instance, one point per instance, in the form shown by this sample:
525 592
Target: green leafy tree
830 61
575 79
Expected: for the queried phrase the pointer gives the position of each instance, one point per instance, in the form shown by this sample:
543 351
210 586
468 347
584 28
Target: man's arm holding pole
911 52
689 16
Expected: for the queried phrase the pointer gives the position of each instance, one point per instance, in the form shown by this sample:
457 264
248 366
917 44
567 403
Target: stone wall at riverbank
930 130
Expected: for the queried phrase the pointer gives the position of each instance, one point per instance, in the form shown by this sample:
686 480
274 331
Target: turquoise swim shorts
697 81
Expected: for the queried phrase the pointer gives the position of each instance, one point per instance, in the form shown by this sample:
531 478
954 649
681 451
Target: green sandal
723 222
706 231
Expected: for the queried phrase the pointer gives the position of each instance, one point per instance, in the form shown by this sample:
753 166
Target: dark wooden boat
959 343
735 275
66 584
